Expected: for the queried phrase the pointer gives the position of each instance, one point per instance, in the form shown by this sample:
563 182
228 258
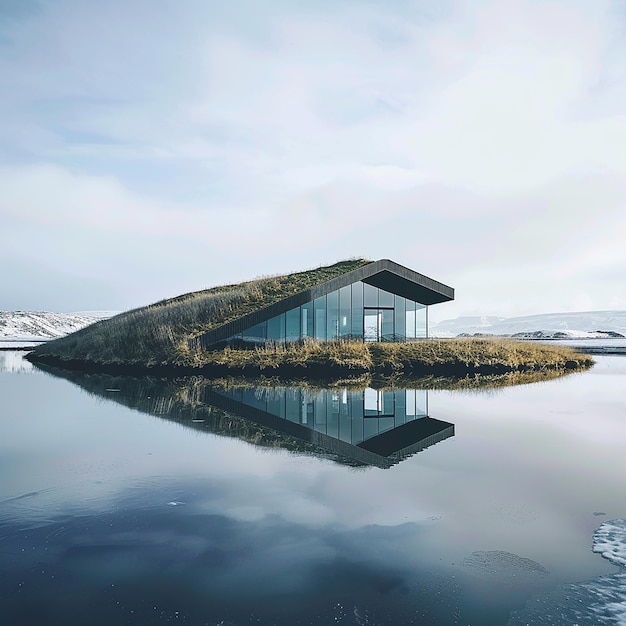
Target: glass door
371 324
377 324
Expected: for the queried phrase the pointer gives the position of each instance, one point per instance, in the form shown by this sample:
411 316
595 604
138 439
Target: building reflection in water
372 427
377 427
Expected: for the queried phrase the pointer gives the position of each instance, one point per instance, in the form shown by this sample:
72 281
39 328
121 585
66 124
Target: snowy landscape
24 328
579 325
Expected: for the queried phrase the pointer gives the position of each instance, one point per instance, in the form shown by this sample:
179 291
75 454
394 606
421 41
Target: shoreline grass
433 357
426 356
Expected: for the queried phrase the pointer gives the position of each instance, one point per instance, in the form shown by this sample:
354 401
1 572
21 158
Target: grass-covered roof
158 333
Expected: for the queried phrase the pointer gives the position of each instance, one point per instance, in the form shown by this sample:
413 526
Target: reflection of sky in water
180 558
13 362
524 474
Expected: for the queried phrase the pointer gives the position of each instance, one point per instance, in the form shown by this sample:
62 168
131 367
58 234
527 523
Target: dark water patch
144 565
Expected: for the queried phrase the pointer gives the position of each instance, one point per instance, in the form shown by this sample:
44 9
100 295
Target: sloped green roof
158 333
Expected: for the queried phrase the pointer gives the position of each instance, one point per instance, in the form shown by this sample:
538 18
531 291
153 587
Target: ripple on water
503 566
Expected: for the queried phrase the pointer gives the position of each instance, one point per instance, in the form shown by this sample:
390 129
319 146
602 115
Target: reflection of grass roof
158 333
183 400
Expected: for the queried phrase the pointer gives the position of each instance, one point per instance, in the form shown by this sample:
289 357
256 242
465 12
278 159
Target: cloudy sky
154 147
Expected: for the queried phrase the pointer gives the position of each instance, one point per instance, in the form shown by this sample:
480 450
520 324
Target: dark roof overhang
404 282
384 274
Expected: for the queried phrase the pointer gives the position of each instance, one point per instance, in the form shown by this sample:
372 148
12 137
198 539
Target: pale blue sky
149 148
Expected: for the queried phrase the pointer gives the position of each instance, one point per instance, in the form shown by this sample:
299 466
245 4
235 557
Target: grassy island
159 339
435 357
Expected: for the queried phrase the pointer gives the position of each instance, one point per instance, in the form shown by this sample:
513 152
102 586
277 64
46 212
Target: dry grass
468 382
350 355
158 334
450 356
477 354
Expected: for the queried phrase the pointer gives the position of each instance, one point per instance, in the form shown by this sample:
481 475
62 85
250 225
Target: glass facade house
356 311
380 301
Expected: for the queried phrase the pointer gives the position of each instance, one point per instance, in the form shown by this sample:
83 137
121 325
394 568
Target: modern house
374 301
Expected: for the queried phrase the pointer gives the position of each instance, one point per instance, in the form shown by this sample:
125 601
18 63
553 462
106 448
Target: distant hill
45 325
575 325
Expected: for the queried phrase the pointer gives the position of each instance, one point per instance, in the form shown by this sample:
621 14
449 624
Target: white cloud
478 141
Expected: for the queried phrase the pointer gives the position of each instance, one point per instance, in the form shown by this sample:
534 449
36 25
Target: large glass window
292 322
256 334
400 318
307 319
319 306
420 320
410 319
370 295
385 299
357 309
345 311
276 328
332 315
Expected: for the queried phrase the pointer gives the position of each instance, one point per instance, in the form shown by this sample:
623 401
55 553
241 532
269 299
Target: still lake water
112 515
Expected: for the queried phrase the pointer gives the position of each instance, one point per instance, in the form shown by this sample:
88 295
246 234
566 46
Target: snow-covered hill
557 325
26 326
44 325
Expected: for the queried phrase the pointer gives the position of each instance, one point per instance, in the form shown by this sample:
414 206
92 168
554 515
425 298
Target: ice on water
610 541
598 601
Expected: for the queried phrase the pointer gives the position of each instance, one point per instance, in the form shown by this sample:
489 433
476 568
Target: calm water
143 502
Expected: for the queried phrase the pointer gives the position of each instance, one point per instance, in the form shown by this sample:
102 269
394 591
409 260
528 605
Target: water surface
140 502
